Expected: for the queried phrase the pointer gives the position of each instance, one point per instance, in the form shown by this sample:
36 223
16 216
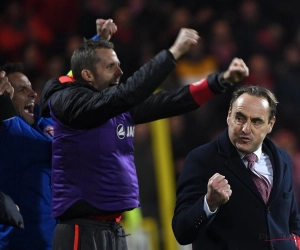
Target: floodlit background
42 34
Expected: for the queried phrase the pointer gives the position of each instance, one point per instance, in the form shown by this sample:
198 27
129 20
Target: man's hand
105 28
237 71
218 191
5 86
184 41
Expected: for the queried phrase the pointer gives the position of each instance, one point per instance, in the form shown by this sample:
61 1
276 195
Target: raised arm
114 100
7 108
170 103
184 41
105 29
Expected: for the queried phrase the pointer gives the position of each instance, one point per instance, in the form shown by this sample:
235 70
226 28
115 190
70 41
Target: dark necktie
261 182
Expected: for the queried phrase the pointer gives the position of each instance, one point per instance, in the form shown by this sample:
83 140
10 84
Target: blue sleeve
96 37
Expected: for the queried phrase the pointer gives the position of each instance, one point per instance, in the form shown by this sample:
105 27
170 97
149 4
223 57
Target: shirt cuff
207 210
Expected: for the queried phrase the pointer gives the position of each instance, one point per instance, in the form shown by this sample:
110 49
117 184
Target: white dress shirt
262 164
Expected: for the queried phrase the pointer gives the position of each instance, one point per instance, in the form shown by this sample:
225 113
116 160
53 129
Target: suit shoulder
204 150
283 154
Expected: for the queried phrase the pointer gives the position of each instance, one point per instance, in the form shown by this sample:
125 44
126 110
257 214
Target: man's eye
256 123
239 120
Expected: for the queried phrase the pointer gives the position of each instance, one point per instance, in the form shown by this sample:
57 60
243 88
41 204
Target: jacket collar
235 164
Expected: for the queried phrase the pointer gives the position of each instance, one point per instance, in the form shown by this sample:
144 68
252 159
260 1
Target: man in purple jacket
94 176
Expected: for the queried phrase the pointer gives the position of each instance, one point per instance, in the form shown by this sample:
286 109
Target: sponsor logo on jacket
123 131
48 130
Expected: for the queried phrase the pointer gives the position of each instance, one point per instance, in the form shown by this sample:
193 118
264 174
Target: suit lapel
237 167
279 167
235 164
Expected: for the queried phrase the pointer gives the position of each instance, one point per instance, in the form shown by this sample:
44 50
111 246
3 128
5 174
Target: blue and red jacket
25 175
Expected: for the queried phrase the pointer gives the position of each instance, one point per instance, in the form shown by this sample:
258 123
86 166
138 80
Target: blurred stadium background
42 34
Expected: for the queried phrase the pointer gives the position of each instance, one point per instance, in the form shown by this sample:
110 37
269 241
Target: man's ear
228 115
87 75
271 124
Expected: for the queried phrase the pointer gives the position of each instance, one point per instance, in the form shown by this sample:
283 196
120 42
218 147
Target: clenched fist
237 71
105 28
218 191
184 41
5 86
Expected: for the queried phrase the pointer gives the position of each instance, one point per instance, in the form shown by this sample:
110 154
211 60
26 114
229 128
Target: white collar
257 152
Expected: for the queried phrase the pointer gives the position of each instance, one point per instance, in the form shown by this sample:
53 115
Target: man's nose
32 94
118 71
247 127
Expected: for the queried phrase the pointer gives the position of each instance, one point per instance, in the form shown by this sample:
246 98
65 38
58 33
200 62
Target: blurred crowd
42 34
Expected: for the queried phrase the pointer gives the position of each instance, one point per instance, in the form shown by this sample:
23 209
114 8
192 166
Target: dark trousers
88 234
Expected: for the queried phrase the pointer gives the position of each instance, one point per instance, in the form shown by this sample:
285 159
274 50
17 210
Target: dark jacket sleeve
7 108
164 104
189 218
9 214
85 107
171 103
294 222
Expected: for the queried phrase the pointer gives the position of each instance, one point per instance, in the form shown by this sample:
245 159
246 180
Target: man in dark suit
226 201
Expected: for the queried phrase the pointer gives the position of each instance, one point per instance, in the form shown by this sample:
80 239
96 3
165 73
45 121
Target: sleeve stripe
201 91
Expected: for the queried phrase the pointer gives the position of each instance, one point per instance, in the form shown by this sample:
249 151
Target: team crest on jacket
123 131
48 130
